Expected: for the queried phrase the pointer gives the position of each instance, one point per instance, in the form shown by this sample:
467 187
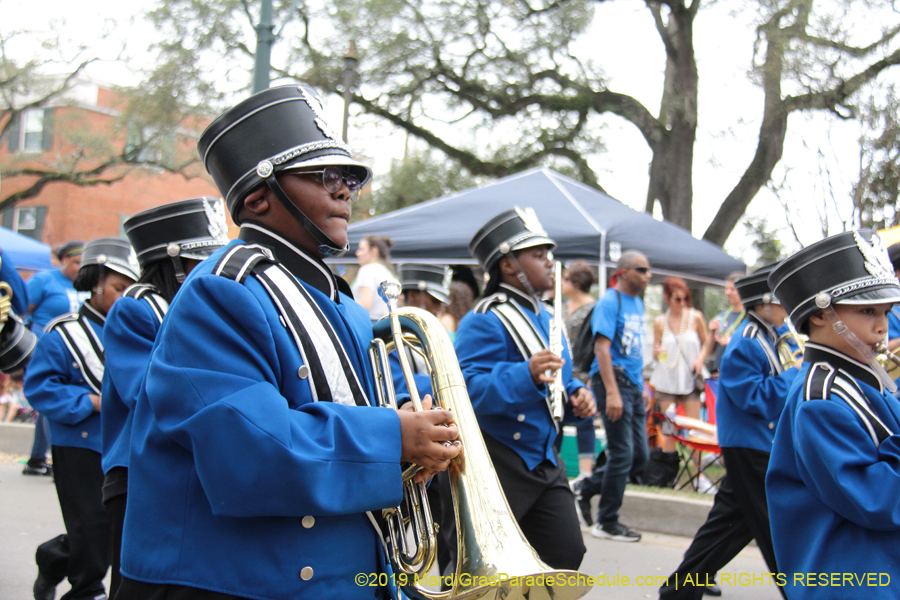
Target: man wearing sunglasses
257 452
618 385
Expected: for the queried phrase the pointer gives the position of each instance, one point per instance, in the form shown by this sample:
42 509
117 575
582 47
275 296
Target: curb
16 438
660 513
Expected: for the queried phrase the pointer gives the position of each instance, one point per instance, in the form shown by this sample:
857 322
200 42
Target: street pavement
29 515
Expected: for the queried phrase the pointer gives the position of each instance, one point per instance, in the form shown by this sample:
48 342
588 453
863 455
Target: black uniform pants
82 554
739 514
543 505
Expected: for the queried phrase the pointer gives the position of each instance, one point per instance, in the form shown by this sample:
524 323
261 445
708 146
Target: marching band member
169 241
834 478
428 287
502 350
256 454
752 388
64 383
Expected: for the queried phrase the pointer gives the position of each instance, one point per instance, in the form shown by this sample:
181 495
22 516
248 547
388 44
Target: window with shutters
32 131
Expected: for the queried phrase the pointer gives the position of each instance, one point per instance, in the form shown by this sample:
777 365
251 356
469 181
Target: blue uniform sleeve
603 321
49 386
214 387
128 337
839 463
894 324
496 384
9 274
423 382
745 372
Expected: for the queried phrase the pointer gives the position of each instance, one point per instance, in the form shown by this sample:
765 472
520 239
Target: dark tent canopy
585 223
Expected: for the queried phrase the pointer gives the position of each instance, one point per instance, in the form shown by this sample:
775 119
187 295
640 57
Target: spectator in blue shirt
50 293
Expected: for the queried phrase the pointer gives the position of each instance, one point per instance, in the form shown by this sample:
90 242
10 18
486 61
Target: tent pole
602 263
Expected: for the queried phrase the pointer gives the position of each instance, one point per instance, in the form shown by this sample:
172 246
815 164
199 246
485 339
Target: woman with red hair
678 338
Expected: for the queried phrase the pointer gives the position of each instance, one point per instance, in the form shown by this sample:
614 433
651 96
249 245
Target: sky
624 41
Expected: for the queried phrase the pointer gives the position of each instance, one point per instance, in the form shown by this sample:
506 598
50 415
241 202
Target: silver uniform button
772 425
306 573
520 418
303 372
84 434
75 365
517 435
308 522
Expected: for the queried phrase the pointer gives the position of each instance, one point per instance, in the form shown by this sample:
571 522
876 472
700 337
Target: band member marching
64 383
256 451
834 481
502 346
753 385
169 241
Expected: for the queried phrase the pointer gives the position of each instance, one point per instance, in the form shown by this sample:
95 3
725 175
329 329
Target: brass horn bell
495 561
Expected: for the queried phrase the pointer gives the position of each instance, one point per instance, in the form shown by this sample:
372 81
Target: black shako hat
894 254
514 229
112 253
193 228
426 278
754 288
848 268
276 129
17 344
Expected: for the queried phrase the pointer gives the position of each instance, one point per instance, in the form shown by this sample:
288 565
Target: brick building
87 124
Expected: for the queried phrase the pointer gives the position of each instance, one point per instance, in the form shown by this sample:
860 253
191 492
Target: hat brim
537 240
362 172
884 295
122 270
434 292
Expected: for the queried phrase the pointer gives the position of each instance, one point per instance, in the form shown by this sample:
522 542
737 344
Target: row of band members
243 457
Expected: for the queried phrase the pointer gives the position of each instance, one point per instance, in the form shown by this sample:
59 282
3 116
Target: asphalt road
29 515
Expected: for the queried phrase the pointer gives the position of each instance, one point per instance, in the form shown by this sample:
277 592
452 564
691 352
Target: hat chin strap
326 245
868 356
523 279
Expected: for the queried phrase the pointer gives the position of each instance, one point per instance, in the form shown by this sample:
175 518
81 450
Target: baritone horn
494 560
888 360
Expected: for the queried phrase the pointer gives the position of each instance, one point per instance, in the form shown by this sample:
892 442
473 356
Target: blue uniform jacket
56 388
832 490
9 274
128 337
238 482
751 390
509 406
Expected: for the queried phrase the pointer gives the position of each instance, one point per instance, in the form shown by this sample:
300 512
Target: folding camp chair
697 444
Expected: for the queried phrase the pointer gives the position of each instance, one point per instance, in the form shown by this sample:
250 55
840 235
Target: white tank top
673 374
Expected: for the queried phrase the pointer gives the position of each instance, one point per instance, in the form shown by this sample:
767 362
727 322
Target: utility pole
350 62
265 37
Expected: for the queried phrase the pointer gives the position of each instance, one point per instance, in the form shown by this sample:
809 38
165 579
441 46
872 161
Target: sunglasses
333 177
642 270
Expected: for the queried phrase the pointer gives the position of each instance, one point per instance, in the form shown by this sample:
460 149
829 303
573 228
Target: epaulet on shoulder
139 290
750 330
239 261
818 381
485 304
60 320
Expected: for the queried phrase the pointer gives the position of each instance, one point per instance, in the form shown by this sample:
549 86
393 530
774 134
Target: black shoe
615 531
37 468
712 589
43 589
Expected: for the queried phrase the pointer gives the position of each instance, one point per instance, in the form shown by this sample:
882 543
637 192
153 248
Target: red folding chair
697 446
